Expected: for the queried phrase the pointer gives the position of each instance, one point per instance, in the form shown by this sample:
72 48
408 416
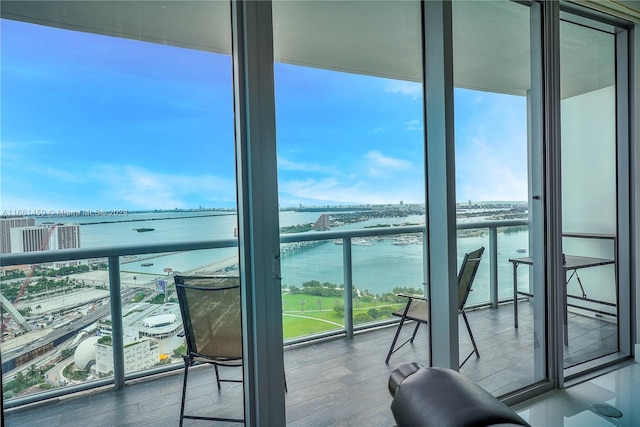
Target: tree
106 340
19 378
32 372
302 303
311 284
362 318
339 309
38 307
319 302
385 312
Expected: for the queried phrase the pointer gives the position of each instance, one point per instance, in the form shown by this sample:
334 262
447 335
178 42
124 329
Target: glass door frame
622 251
440 185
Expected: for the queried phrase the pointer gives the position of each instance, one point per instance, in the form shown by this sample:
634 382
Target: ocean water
377 268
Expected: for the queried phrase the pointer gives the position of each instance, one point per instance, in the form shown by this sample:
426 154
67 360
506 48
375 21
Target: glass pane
116 135
350 157
492 85
589 190
349 120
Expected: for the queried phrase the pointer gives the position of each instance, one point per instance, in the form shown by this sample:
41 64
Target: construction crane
13 310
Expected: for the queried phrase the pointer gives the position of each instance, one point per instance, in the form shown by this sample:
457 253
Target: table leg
566 315
515 294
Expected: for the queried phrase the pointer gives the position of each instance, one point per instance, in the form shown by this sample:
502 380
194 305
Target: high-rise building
29 239
322 223
6 224
44 237
67 236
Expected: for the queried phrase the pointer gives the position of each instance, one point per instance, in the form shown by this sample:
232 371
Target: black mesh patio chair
211 317
417 307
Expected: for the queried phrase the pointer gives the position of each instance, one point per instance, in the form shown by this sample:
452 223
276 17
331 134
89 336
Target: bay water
378 266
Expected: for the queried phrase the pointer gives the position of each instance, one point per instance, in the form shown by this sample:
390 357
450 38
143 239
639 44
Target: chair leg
473 341
217 375
395 339
415 331
184 388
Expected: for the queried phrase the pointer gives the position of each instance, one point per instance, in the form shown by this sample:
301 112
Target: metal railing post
493 266
348 287
116 322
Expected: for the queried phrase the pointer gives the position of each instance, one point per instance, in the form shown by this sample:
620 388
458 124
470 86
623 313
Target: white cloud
491 148
378 164
375 179
17 158
414 124
412 90
288 165
142 189
330 191
492 171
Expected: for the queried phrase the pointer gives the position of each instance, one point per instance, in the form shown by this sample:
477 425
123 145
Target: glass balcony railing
81 318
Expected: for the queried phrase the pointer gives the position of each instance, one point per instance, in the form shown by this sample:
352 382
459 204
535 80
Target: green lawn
294 326
305 314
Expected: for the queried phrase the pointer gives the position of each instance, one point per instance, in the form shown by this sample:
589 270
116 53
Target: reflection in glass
589 188
492 85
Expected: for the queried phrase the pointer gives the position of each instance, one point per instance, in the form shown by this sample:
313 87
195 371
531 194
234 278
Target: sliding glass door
594 171
498 157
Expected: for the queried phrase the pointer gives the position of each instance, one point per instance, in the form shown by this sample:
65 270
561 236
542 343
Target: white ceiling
380 38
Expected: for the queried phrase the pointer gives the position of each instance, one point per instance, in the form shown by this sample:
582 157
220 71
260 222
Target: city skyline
91 122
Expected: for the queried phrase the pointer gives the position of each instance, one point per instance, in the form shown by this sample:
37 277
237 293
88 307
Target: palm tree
38 307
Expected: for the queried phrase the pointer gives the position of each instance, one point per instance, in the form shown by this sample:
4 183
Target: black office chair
417 307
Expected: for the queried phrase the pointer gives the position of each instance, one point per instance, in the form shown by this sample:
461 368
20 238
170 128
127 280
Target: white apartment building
6 224
44 237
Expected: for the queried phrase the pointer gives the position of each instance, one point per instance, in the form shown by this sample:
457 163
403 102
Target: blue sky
95 122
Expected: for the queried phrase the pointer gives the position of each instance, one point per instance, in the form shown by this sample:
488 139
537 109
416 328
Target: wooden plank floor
335 382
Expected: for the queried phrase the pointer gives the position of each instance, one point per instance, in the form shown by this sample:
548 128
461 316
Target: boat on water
146 264
361 242
143 230
405 240
521 251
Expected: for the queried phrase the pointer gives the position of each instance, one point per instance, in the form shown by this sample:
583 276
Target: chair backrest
211 316
466 275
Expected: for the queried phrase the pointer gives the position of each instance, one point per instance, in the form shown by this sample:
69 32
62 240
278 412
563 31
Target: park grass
316 314
294 326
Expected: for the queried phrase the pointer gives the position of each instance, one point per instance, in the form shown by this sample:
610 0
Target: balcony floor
335 382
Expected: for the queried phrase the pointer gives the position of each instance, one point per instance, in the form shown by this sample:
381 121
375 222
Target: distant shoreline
154 219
